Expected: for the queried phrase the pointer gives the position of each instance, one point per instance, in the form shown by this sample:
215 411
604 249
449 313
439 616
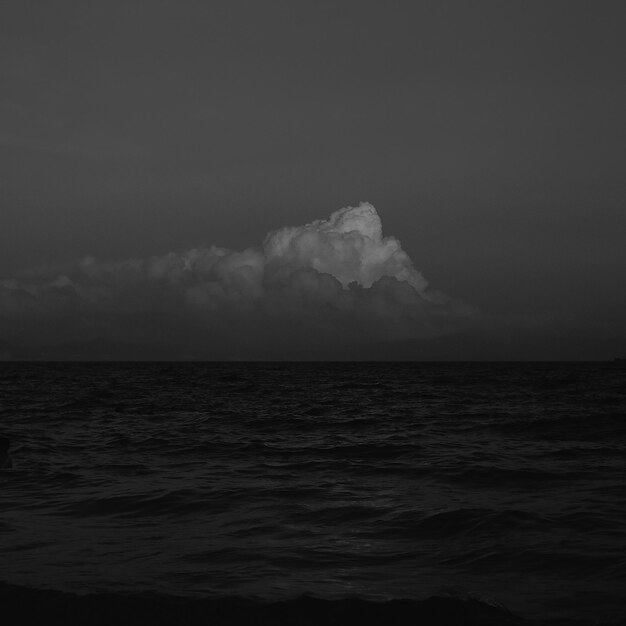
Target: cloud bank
318 289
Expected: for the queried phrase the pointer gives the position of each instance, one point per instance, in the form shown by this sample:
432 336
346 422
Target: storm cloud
319 288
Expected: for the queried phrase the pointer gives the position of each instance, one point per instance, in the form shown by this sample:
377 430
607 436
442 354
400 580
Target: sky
487 136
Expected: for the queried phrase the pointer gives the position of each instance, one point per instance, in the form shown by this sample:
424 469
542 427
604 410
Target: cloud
324 286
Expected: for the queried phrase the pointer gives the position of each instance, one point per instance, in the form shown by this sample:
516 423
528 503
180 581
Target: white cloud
336 282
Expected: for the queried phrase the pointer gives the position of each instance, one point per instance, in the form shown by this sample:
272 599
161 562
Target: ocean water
503 482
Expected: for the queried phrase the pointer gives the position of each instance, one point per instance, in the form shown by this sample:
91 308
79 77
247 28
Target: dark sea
502 482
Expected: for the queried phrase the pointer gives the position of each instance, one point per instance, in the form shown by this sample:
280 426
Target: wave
38 606
461 521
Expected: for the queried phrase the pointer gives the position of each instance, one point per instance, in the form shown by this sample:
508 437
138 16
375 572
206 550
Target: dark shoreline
42 606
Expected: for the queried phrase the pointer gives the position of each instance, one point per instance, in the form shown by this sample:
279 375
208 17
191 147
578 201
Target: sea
500 482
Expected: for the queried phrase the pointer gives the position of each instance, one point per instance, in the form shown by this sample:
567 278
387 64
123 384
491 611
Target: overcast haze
489 137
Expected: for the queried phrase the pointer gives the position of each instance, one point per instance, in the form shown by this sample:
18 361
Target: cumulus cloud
326 285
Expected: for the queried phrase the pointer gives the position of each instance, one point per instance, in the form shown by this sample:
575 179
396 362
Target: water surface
505 482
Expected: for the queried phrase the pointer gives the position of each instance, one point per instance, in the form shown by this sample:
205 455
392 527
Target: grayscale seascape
312 313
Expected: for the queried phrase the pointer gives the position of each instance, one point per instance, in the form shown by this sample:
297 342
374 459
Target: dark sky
490 137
